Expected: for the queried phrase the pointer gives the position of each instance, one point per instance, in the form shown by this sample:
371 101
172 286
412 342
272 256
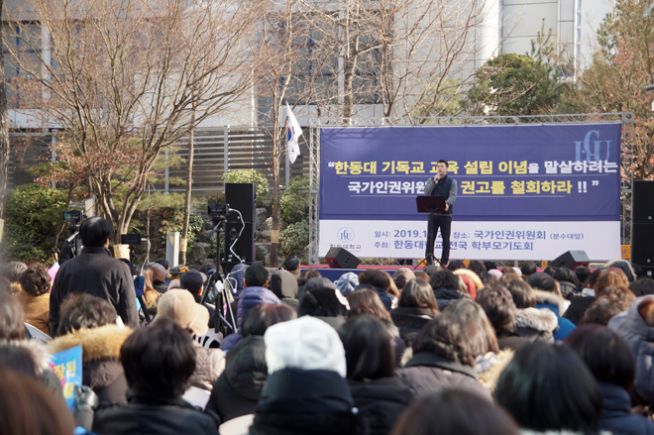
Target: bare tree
126 79
4 136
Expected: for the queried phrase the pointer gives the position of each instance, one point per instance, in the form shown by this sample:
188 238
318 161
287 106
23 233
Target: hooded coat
639 336
535 323
237 390
558 306
101 367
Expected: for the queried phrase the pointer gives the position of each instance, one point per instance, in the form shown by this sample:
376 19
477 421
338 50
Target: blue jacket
639 336
249 298
616 413
558 306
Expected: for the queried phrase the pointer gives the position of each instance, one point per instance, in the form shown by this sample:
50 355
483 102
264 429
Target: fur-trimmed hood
491 373
97 343
542 320
546 297
37 351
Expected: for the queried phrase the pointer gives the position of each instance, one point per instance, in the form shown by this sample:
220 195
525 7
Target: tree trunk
4 135
276 221
187 198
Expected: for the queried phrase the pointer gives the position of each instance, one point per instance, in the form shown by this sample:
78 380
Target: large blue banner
524 191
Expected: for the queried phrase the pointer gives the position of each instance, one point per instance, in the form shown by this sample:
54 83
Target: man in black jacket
442 186
97 273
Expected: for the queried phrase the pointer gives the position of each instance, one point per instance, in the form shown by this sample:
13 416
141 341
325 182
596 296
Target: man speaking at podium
440 185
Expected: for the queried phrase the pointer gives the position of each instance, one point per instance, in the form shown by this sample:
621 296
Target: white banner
474 240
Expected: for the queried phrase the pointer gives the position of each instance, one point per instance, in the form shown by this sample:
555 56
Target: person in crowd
322 303
97 273
383 284
472 281
498 305
528 268
642 286
625 267
35 296
548 295
346 283
159 361
28 408
582 273
636 327
611 362
366 301
530 321
193 281
12 271
293 264
580 302
154 279
479 269
416 307
284 284
422 276
569 285
547 388
90 322
12 335
402 276
306 390
304 278
454 412
237 390
444 356
446 287
611 302
179 306
256 292
607 278
377 393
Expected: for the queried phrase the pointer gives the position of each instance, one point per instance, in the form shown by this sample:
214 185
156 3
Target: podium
430 204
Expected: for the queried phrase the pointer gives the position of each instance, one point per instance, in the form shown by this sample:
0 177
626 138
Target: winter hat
305 343
347 282
495 273
179 306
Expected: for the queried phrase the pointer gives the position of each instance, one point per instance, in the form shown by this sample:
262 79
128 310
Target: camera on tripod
217 212
73 218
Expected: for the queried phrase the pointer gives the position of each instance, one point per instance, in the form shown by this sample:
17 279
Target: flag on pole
293 133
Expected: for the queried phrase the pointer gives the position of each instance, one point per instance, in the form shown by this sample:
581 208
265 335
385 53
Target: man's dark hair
582 273
455 264
447 165
35 280
158 360
368 348
291 263
606 355
321 302
375 277
256 275
444 278
449 413
446 337
499 307
528 268
540 371
12 318
564 273
542 281
642 286
95 231
191 281
263 316
81 310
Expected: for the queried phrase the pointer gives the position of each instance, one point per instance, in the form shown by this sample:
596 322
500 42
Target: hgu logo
345 235
590 149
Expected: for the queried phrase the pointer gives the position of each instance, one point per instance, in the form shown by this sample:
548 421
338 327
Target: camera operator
97 273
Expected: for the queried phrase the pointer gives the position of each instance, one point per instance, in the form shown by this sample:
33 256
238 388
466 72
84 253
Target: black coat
410 320
445 296
427 373
237 390
295 401
97 273
578 306
138 418
616 413
380 402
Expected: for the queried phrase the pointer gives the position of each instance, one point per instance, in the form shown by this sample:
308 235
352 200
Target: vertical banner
525 192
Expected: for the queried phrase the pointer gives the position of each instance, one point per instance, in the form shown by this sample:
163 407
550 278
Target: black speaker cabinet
642 202
241 197
571 259
642 244
339 258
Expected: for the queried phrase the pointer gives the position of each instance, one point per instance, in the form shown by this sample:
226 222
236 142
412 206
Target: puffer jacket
380 402
249 298
534 323
209 364
101 367
237 390
616 413
639 336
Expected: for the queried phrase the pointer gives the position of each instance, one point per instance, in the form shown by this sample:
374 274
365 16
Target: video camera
73 217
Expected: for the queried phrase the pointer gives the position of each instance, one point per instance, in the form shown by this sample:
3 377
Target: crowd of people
474 348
